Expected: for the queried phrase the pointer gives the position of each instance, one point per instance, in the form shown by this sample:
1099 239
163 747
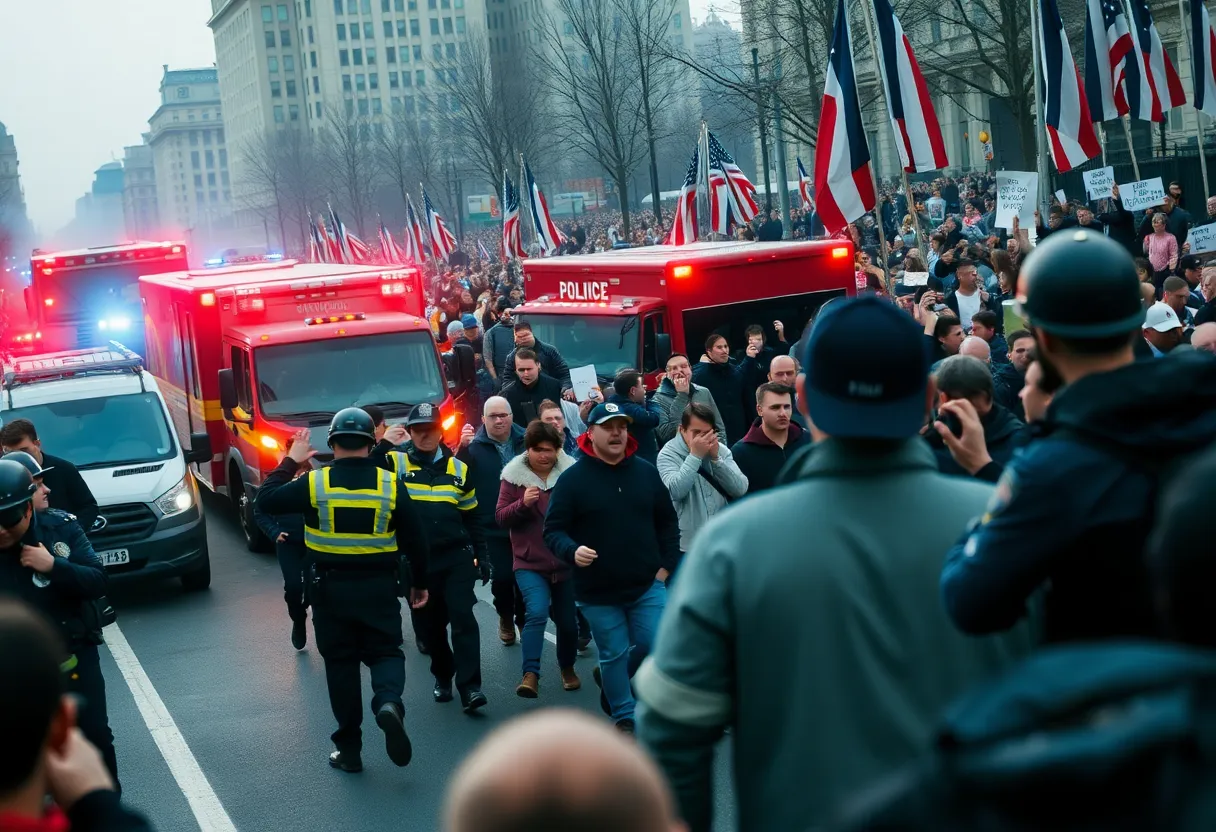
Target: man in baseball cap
1162 329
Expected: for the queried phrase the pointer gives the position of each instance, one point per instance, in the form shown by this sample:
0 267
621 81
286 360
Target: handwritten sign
1060 198
1016 192
1202 238
582 380
1098 183
1146 193
917 278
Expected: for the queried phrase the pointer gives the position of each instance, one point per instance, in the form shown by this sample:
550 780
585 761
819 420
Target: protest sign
582 381
1146 193
1098 183
1016 192
1202 239
1060 198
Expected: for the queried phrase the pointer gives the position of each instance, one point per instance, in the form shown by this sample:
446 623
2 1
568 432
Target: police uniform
359 524
67 595
1072 512
439 486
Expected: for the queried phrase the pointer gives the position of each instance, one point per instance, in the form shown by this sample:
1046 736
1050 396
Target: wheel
200 578
255 541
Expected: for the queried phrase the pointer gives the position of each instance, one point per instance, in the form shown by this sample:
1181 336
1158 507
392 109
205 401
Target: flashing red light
207 299
47 271
395 288
175 250
49 301
682 271
840 251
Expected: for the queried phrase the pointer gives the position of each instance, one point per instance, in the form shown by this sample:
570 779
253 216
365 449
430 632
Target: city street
221 725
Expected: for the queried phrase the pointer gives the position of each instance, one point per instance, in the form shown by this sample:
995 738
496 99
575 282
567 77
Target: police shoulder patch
1006 489
61 549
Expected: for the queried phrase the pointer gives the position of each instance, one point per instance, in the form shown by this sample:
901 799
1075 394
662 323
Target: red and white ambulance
251 353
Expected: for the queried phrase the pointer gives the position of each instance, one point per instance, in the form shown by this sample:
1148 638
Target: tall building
99 212
190 158
14 224
139 206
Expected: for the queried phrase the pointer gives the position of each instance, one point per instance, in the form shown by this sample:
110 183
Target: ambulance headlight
177 499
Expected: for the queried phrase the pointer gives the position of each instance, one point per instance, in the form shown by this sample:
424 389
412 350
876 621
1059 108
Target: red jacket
526 524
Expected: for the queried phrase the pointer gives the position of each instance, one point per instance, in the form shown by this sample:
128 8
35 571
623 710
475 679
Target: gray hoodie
671 405
695 499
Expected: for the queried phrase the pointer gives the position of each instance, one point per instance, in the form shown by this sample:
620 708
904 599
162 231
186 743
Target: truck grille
125 523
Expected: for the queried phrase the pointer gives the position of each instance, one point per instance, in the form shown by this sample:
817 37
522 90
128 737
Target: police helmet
16 489
29 462
1081 284
352 421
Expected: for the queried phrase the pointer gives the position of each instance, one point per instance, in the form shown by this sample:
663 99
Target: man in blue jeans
611 516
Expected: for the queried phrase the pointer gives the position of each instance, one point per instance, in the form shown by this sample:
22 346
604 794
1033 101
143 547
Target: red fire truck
251 353
88 297
632 308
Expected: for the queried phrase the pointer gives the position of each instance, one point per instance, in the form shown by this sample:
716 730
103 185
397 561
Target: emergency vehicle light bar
336 319
73 364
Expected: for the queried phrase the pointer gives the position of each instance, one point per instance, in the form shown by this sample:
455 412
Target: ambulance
252 352
632 308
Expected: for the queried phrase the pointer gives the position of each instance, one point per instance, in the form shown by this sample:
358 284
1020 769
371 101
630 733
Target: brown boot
506 630
529 688
570 680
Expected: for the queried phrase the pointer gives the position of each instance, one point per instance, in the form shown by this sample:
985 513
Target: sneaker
348 761
570 680
529 688
626 727
396 741
506 631
299 633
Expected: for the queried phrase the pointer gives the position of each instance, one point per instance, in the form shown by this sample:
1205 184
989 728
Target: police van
100 410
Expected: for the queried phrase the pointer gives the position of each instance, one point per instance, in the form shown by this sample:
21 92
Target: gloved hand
483 569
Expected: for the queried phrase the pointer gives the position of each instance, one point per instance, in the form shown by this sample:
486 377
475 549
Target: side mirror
228 401
662 348
200 448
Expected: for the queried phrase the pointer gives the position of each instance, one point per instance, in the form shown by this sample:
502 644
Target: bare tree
347 151
279 168
409 152
594 81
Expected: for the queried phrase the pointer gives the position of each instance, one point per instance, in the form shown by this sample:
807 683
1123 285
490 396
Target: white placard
1146 193
1098 183
917 278
1016 192
583 379
1060 198
1202 239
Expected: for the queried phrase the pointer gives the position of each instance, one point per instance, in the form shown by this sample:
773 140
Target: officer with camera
46 561
359 526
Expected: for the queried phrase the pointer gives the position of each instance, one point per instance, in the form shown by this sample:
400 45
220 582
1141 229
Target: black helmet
28 461
16 489
352 421
1081 284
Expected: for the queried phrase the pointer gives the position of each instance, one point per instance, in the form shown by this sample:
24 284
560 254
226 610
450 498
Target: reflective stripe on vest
69 665
326 498
438 493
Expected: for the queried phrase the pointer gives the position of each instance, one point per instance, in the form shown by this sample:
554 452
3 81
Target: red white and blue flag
917 132
844 186
481 251
805 188
317 249
415 241
732 196
392 252
360 252
1108 42
684 220
1153 87
547 232
512 236
442 241
1203 58
340 244
1070 129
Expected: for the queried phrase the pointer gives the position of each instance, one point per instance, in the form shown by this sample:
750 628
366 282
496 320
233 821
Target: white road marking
552 638
208 811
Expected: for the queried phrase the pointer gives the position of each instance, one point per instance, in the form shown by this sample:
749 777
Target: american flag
316 246
1070 127
341 238
804 185
1107 44
330 250
415 246
360 252
684 221
731 195
1203 58
442 241
389 248
512 240
1153 87
482 253
548 234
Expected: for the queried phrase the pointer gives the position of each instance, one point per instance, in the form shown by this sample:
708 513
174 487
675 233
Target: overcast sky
74 100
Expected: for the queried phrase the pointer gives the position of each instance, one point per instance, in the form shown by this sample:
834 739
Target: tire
255 541
199 579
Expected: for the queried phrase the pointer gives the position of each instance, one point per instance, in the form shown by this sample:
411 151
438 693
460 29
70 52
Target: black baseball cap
1189 261
423 414
867 371
602 413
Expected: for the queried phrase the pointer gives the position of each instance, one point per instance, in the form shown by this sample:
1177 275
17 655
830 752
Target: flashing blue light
276 256
214 261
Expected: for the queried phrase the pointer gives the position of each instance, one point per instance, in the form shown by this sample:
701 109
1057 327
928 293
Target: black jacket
1003 435
77 577
69 491
485 472
727 383
1121 227
280 494
525 401
761 460
452 532
551 364
1007 384
621 511
102 811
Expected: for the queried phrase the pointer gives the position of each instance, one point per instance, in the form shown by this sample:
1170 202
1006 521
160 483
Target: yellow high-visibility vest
326 498
447 489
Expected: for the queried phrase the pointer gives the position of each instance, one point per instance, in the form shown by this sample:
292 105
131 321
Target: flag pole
1102 140
703 176
1186 45
1127 121
867 9
523 184
1040 130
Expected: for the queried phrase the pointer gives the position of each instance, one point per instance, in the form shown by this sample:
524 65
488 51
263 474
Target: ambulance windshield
608 342
400 368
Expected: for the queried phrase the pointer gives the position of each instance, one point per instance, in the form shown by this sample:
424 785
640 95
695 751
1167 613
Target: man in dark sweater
69 491
773 439
530 387
619 569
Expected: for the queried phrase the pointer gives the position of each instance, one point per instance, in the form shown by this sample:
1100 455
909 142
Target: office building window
307 10
409 103
364 107
318 108
431 4
447 25
273 63
384 5
289 63
449 50
388 28
285 37
390 54
276 89
361 82
417 50
366 6
460 25
407 80
194 138
195 159
291 87
452 75
310 36
352 6
371 56
214 196
356 57
293 114
343 57
312 59
350 107
373 80
437 51
392 80
434 25
337 6
377 107
210 156
396 101
341 31
369 30
282 12
420 78
398 5
278 113
401 28
412 5
354 31
211 179
269 34
415 30
206 137
346 83
198 180
316 85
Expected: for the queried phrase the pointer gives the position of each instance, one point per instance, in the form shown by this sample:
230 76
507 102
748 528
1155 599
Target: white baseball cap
1161 318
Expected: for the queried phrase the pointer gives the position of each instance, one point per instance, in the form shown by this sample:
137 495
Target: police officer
1071 514
439 485
358 525
46 560
287 532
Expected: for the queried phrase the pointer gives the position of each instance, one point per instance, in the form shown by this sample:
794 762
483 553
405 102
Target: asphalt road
220 724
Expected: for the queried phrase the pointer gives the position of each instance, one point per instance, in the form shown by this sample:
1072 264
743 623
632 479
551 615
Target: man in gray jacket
826 648
675 393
